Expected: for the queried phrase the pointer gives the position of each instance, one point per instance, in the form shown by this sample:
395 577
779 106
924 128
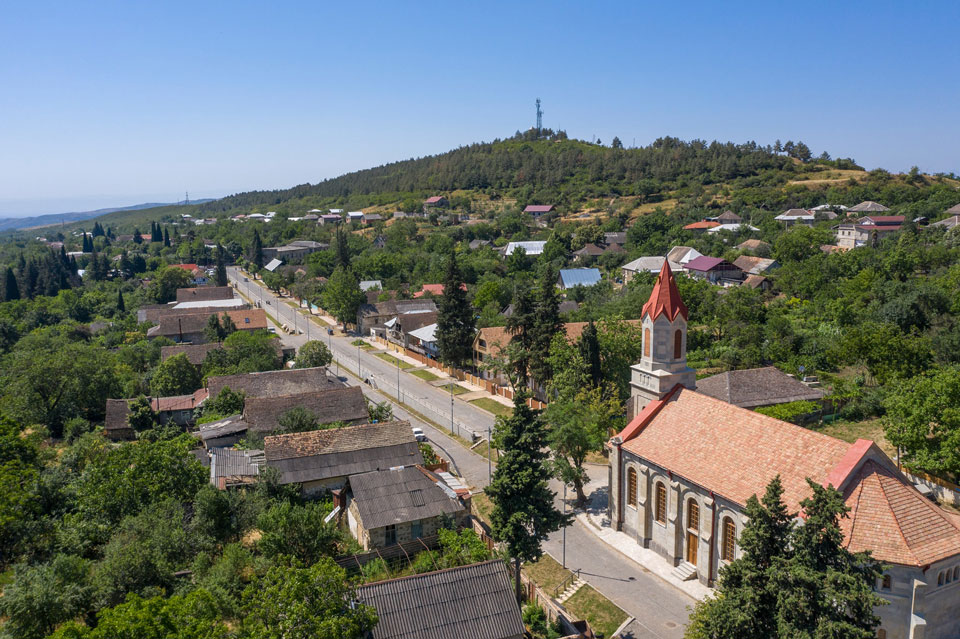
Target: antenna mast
539 118
186 197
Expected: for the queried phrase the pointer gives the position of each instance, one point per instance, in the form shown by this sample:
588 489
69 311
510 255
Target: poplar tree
456 323
256 249
590 351
523 512
121 307
221 267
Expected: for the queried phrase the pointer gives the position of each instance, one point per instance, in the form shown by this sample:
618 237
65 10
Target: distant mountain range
16 223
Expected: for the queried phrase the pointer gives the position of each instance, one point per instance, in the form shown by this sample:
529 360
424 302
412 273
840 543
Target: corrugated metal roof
226 426
531 247
469 602
273 264
570 277
426 333
226 463
399 495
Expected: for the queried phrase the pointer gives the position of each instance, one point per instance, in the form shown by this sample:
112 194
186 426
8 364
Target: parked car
419 435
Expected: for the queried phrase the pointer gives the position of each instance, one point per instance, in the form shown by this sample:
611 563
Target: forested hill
555 170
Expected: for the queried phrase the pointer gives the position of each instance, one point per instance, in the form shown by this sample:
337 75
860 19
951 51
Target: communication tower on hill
539 118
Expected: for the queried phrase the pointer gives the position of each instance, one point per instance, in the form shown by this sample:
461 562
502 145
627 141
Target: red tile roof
434 199
704 224
433 289
187 267
179 402
538 208
735 452
894 521
665 298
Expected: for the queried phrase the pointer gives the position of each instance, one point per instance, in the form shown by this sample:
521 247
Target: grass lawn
547 573
852 431
493 406
482 448
602 614
457 389
482 507
390 359
426 376
362 344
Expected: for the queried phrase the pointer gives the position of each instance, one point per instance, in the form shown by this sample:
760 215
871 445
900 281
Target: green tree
923 420
227 402
19 485
456 322
175 376
312 354
523 512
42 596
590 352
342 296
214 331
293 602
221 267
11 291
255 254
141 416
164 286
194 615
48 379
744 605
121 306
546 324
823 589
298 531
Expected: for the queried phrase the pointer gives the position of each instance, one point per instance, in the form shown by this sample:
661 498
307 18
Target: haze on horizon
113 104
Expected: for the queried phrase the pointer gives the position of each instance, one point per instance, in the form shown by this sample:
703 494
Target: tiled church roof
735 453
665 298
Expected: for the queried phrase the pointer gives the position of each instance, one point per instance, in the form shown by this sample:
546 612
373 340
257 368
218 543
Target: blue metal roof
571 277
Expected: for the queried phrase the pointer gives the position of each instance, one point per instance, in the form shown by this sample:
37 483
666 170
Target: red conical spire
665 298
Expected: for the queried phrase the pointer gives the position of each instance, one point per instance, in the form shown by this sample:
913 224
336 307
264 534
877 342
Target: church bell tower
663 364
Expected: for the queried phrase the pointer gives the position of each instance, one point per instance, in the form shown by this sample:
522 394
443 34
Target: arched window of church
729 541
646 342
956 573
940 579
661 510
678 344
693 515
631 487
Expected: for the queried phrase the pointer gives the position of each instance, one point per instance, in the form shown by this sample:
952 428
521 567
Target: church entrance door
692 543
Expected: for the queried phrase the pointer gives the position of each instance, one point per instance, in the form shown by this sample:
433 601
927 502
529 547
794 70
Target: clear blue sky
114 103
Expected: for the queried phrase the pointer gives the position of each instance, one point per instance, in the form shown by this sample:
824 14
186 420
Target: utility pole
398 380
451 407
358 360
563 562
489 452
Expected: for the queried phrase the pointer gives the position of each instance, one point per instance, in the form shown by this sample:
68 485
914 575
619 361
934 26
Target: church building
686 463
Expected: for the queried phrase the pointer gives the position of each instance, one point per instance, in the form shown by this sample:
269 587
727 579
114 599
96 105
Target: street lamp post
358 360
451 408
489 452
398 380
564 560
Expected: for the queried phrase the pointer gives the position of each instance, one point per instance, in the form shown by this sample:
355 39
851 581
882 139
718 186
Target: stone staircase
684 572
574 586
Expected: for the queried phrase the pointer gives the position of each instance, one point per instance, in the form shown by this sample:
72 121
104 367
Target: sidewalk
594 518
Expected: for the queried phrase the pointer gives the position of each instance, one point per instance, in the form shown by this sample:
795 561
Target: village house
294 251
189 327
287 381
701 226
204 293
536 210
756 265
330 218
397 504
346 405
796 216
423 340
756 387
683 468
591 251
867 230
867 206
757 282
530 247
211 305
322 460
713 269
378 314
758 247
573 277
177 409
399 328
646 264
468 602
222 433
727 217
436 201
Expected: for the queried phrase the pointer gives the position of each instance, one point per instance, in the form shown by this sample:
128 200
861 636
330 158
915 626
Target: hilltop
574 175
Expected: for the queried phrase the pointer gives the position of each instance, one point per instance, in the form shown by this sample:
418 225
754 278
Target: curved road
660 610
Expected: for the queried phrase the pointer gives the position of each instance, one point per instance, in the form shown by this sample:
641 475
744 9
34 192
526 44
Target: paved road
660 609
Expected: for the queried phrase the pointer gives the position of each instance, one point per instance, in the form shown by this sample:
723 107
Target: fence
464 376
404 550
944 490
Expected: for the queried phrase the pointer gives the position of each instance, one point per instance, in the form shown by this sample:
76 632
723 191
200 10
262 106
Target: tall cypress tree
11 291
456 323
523 512
121 307
137 238
520 325
221 267
590 351
546 324
256 249
166 236
343 248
